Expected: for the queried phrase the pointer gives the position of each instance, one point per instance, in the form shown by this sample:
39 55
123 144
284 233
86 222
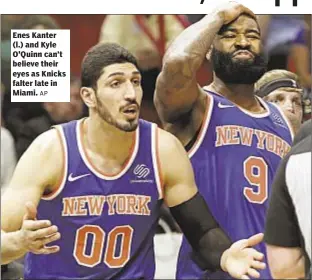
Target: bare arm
9 158
176 86
33 236
38 170
292 266
177 172
10 246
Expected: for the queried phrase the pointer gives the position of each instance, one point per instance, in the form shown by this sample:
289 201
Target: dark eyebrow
253 31
226 28
231 29
122 74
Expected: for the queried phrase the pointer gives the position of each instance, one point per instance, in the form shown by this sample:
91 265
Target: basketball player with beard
234 139
102 180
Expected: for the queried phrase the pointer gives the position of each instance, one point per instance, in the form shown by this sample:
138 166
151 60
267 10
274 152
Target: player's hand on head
36 234
241 261
232 10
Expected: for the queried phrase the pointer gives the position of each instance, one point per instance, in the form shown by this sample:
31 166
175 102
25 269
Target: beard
124 125
238 71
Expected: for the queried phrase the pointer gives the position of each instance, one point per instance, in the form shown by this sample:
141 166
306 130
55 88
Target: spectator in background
299 61
16 113
8 157
282 87
13 270
278 32
126 31
54 113
8 154
9 22
300 54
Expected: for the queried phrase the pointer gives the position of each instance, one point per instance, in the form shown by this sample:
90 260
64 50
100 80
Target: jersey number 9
256 173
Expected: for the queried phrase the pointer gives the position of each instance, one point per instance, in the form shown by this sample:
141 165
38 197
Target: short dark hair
100 56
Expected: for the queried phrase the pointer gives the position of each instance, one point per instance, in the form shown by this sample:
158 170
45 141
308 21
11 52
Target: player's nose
242 42
289 106
130 92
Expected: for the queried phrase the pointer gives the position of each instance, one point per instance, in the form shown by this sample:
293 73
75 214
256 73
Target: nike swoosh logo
222 106
71 178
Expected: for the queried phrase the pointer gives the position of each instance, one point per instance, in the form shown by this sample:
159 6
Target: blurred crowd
287 40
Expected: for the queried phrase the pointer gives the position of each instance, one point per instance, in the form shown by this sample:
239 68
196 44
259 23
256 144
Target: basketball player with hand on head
282 87
102 179
234 139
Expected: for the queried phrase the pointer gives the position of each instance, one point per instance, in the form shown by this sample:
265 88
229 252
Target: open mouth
130 111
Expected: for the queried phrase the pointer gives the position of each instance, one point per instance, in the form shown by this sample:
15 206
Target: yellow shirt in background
125 31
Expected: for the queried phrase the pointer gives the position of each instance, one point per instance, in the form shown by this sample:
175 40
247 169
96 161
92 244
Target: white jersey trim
251 114
89 164
204 126
155 158
63 180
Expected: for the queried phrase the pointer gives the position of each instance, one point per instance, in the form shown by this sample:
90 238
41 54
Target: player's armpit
40 167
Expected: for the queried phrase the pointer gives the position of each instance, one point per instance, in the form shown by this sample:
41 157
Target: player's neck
106 139
240 94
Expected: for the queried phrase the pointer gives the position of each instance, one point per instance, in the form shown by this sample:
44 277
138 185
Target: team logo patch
141 172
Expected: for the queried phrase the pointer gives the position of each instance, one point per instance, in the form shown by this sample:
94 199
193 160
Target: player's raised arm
190 211
38 171
176 86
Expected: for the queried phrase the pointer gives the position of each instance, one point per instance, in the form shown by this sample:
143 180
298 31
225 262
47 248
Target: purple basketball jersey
234 159
107 222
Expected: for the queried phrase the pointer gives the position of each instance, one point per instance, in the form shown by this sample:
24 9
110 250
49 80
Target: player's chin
129 125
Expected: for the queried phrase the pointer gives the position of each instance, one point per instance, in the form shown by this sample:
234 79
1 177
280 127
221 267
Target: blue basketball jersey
107 222
234 159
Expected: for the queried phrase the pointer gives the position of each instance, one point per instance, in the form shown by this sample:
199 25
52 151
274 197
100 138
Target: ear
265 98
208 54
46 106
88 96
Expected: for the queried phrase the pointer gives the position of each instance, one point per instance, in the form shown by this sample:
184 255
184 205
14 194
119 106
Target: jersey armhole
156 162
203 128
62 180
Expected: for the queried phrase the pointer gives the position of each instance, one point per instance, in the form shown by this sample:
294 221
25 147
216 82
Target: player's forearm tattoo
187 53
